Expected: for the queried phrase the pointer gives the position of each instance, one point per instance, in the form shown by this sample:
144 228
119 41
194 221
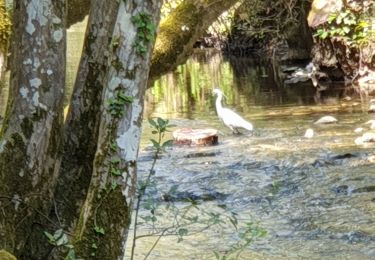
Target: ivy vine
146 31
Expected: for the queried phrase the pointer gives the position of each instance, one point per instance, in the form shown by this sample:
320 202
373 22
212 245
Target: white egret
229 117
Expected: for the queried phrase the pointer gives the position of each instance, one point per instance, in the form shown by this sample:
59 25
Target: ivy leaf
50 237
331 17
346 29
99 230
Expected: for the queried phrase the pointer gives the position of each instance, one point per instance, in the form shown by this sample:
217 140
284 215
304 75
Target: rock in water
200 137
371 108
365 138
326 120
309 133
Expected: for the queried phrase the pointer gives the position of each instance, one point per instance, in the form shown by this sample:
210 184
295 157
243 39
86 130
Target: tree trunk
30 138
105 218
82 123
5 27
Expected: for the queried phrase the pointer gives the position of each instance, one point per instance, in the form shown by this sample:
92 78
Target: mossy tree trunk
105 218
82 123
31 134
181 29
5 27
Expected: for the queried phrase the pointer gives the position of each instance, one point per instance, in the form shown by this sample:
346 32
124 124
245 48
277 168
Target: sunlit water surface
314 197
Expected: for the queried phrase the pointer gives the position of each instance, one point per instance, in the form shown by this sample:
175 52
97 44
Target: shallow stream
315 198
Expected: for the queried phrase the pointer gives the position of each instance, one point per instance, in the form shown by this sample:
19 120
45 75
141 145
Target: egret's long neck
219 107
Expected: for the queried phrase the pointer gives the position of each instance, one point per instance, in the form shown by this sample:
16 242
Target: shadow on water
315 197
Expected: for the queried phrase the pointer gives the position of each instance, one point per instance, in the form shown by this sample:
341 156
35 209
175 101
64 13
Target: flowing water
315 197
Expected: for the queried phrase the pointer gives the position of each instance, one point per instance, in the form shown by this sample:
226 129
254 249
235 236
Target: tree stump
199 137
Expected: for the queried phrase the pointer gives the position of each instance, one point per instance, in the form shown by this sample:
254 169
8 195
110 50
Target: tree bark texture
31 134
82 123
105 217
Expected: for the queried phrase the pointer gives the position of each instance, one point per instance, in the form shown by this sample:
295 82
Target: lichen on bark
31 133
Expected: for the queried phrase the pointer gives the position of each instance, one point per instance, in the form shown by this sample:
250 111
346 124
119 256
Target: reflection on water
315 197
247 84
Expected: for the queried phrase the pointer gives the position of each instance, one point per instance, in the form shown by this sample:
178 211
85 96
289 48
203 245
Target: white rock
326 120
365 138
372 123
358 130
309 133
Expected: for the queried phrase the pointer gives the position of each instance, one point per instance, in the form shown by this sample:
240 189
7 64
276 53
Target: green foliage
160 127
146 31
61 242
245 236
262 21
168 6
99 230
351 28
116 105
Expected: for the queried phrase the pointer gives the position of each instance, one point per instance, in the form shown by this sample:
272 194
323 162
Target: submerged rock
191 197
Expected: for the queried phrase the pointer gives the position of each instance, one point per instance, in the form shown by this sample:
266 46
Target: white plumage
229 117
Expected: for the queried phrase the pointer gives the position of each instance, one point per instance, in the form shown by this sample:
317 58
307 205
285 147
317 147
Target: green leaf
63 240
115 171
324 35
217 256
58 233
152 122
346 29
182 232
50 237
161 122
99 230
155 144
331 17
114 185
167 143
